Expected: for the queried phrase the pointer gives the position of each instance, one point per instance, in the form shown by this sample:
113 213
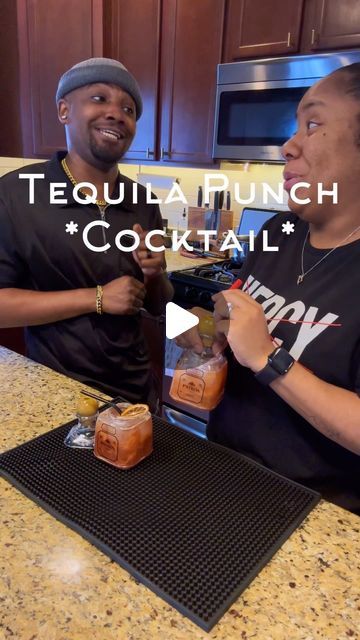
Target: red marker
236 284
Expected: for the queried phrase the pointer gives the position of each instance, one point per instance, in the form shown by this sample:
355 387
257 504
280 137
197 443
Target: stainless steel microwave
256 102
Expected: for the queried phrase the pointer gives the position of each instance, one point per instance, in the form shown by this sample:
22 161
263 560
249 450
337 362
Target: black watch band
279 363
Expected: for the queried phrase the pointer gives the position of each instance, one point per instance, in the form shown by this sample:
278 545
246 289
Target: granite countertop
175 261
56 586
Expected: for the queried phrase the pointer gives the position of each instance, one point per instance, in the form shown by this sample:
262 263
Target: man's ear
63 110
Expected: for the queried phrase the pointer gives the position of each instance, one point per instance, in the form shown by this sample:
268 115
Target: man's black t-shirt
252 418
37 253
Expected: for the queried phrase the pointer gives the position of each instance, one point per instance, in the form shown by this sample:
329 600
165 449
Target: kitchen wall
190 179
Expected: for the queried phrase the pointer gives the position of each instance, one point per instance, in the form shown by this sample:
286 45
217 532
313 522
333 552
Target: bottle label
106 443
191 388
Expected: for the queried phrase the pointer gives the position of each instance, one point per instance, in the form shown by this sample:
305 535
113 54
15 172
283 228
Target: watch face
281 360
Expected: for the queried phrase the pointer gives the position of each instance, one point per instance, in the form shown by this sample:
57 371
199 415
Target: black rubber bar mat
195 522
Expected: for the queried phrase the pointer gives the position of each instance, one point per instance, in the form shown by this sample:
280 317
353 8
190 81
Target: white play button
178 320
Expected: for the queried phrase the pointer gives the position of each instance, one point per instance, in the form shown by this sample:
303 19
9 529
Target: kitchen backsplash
189 180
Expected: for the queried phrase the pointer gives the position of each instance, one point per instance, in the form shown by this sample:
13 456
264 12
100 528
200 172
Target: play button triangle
178 320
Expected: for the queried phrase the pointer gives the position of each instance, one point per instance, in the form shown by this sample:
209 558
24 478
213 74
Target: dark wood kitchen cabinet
132 35
330 24
191 50
255 28
52 36
10 138
172 47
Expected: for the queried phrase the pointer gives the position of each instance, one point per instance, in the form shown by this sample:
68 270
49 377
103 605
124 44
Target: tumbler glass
123 441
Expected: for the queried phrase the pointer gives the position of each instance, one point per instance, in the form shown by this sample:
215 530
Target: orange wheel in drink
135 410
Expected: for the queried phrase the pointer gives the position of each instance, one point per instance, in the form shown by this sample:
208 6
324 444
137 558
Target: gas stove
195 286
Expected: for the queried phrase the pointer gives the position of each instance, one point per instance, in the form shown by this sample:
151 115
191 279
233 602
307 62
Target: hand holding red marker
236 303
242 320
235 285
238 283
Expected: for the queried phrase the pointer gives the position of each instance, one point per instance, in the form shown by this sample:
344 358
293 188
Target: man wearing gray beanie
100 70
81 302
75 89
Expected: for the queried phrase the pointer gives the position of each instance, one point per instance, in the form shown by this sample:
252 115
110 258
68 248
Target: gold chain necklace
303 273
100 203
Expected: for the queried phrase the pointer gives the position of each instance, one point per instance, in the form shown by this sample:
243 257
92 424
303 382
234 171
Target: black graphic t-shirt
252 418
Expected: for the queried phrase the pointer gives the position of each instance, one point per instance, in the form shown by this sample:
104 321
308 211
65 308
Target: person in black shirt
292 395
81 304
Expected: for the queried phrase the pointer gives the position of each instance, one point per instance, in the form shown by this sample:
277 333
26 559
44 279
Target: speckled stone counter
176 262
56 586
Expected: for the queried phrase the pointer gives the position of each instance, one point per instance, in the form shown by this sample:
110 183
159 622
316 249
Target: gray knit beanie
100 70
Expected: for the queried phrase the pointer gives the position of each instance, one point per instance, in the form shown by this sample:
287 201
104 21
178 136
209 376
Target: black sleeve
12 267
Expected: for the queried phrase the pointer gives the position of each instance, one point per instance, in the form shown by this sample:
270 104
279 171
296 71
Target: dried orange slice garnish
135 410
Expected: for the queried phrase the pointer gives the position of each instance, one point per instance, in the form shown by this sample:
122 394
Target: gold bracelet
99 295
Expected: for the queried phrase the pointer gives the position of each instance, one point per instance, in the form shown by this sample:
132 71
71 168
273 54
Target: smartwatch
279 362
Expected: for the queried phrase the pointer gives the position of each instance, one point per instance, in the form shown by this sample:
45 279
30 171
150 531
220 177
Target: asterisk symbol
71 227
288 227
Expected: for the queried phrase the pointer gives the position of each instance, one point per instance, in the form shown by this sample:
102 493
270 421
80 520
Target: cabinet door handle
313 36
164 153
289 39
149 152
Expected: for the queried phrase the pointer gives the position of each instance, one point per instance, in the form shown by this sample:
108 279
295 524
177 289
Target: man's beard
106 155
